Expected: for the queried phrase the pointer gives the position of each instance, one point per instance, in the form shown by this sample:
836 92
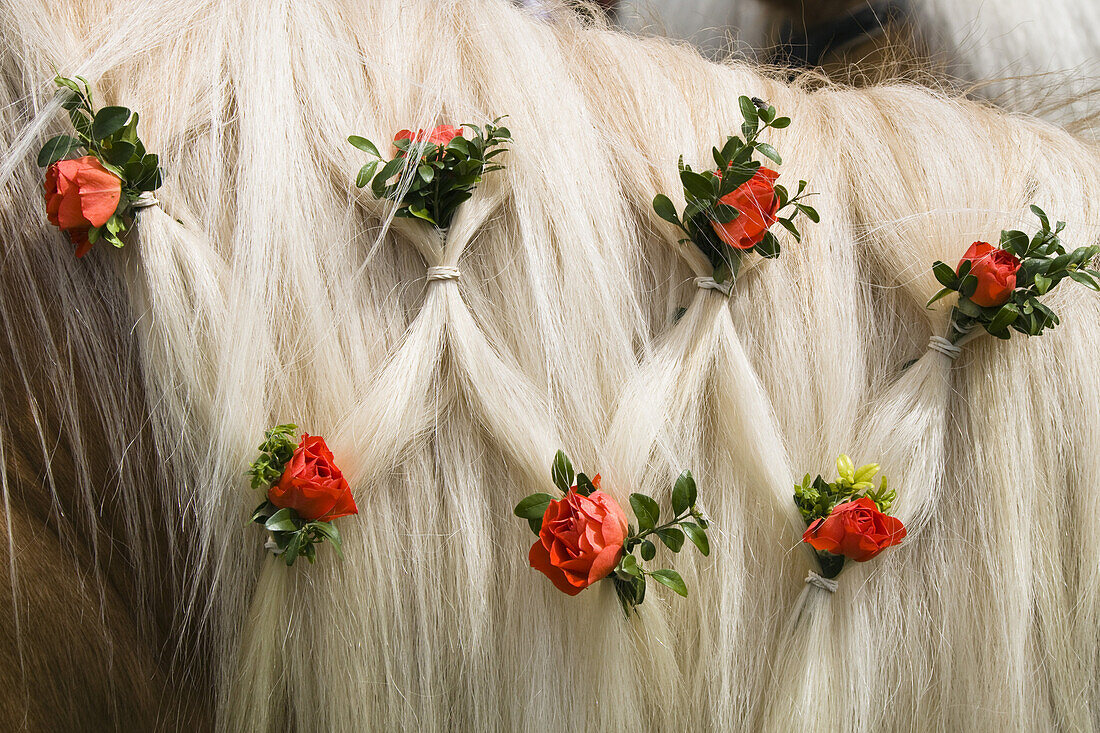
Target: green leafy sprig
629 575
429 181
703 191
275 452
816 499
291 536
1044 263
109 134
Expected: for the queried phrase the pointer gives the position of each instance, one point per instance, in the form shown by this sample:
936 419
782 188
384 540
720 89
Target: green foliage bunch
1043 264
427 180
735 165
109 134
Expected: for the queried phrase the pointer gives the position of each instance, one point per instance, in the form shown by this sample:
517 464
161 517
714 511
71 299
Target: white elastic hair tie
709 283
814 579
443 272
945 347
145 200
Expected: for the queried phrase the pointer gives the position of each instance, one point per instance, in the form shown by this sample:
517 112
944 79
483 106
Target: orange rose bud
81 193
996 272
581 540
757 203
856 530
312 485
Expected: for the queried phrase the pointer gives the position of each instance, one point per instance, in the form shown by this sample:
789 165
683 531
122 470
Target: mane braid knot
443 272
709 283
945 347
144 201
825 584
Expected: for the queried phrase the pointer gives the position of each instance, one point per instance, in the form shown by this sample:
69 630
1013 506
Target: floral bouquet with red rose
94 179
847 518
730 210
999 287
305 493
431 174
584 536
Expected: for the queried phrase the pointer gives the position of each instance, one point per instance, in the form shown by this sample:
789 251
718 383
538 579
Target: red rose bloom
757 203
81 194
439 136
581 540
312 485
855 529
996 272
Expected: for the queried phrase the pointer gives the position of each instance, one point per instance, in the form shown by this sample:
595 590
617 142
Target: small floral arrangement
730 210
305 492
999 287
94 178
442 167
584 536
847 519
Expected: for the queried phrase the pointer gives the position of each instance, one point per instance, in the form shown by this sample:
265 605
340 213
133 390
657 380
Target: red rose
81 194
757 204
312 485
581 540
855 529
996 272
439 136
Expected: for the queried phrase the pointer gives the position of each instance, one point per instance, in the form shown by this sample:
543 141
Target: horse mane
267 289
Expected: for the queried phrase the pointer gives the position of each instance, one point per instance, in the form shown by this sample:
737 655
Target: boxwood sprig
109 134
430 181
1044 263
736 165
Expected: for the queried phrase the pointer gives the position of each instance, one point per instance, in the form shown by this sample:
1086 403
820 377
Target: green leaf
945 274
672 579
781 122
426 173
683 493
697 185
649 550
533 506
968 285
664 208
698 537
366 173
646 510
56 148
1014 241
1005 317
630 566
672 537
748 109
810 212
420 212
562 472
790 227
1042 216
108 121
584 484
1084 278
282 521
769 152
120 153
1042 284
365 145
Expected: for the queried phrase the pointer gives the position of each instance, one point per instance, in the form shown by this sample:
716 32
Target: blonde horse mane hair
266 288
